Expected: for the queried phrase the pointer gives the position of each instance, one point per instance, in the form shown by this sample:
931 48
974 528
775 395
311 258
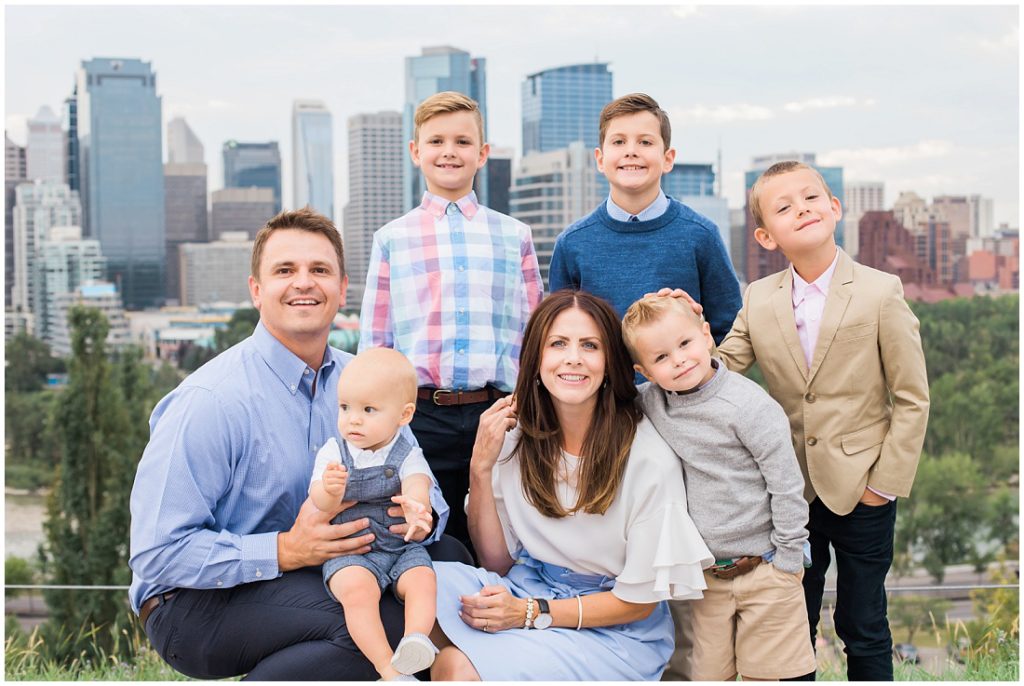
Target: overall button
812 441
389 472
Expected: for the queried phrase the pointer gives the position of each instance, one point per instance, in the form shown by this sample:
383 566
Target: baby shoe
414 653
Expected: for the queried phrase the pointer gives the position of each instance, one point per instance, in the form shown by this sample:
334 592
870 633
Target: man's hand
335 479
313 540
873 499
678 293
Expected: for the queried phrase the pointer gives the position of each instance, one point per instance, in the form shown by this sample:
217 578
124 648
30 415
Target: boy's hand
873 499
678 293
335 478
417 516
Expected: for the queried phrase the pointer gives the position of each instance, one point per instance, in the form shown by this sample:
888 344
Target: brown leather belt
442 396
147 607
739 567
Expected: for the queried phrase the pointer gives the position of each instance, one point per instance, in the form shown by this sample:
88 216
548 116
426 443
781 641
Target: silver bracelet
579 607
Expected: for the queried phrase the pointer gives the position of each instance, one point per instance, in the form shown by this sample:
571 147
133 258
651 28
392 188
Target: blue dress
646 545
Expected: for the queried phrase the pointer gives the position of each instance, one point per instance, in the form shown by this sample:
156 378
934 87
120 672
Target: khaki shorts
754 624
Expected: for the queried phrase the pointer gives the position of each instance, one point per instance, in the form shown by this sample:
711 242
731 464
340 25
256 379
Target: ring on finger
487 625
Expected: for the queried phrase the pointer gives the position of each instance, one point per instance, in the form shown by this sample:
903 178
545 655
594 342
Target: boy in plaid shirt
451 285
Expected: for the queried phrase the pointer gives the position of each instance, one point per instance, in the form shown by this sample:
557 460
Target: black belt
442 396
154 601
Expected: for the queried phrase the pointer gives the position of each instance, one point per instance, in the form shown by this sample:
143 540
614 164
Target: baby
375 466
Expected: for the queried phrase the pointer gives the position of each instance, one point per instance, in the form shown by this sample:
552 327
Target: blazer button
812 441
389 472
810 397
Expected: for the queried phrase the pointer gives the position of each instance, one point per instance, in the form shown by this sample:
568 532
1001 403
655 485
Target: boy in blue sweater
640 240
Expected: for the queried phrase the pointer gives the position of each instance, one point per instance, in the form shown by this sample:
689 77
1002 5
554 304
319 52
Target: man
226 547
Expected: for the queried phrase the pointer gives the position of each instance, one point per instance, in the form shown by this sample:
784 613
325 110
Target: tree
914 613
240 327
27 362
87 524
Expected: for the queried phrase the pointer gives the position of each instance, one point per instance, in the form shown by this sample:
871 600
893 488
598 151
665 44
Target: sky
921 97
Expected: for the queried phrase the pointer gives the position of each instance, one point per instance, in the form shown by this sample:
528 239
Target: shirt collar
288 367
436 206
821 283
652 211
355 451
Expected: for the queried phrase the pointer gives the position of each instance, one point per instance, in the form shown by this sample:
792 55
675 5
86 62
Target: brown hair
777 169
613 426
649 310
631 104
305 219
446 102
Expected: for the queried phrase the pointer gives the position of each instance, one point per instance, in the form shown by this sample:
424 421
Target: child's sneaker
414 653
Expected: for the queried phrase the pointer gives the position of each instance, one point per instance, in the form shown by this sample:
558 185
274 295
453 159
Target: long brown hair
613 426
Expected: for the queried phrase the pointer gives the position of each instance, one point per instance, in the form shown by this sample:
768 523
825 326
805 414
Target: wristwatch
543 620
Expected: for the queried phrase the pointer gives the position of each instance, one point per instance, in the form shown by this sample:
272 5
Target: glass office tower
312 157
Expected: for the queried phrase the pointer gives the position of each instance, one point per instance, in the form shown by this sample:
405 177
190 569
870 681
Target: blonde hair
648 311
390 368
446 102
778 169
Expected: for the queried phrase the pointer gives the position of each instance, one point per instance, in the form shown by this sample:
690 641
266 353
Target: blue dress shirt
652 211
227 467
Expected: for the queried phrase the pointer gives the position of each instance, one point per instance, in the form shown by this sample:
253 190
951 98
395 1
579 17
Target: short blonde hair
446 102
649 310
390 367
778 169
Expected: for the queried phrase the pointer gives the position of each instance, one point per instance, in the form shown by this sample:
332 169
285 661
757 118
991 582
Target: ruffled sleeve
665 554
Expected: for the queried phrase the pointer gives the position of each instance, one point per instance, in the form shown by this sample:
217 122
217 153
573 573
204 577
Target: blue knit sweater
621 261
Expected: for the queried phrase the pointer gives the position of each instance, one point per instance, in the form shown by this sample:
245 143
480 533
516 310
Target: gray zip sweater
744 489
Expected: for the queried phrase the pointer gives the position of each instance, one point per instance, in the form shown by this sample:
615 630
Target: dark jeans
446 434
863 541
287 628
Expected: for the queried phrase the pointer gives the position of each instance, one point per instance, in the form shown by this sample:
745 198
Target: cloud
827 102
722 113
685 11
1005 43
888 155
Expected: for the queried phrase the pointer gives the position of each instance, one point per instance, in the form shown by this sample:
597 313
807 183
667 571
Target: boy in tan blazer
841 352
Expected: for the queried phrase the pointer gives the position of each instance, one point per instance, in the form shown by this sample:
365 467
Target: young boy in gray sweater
744 491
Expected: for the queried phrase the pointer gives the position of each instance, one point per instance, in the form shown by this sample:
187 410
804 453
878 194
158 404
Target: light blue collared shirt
227 467
652 211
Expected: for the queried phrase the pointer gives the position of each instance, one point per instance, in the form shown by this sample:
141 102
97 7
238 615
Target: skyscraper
253 164
761 262
240 209
122 176
562 105
72 167
14 159
44 149
183 146
14 173
861 197
375 162
694 186
438 69
64 262
499 178
185 216
313 157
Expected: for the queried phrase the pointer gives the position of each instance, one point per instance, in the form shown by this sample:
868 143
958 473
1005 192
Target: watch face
543 621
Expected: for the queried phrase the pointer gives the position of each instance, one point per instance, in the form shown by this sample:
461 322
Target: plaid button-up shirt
451 285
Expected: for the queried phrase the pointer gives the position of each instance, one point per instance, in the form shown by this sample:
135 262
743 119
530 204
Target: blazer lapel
782 303
838 299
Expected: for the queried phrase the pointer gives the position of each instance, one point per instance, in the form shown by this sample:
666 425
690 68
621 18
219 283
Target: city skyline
922 98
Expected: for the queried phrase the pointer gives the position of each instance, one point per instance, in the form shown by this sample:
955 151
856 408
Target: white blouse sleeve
505 484
665 554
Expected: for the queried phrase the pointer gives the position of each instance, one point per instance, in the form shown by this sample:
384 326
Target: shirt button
810 397
258 573
307 371
461 351
812 441
293 388
462 267
219 582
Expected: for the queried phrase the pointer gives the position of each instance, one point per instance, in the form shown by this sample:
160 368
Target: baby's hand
417 515
335 478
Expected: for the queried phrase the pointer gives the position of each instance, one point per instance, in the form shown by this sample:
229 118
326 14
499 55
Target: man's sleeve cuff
259 557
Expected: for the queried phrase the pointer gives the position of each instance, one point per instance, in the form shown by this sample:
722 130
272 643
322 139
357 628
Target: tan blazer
858 416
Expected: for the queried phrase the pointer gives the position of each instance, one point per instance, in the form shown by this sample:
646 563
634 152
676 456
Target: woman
578 517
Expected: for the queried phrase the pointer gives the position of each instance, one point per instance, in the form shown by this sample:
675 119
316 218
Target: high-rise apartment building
44 149
376 155
72 159
101 296
122 176
39 206
183 145
14 159
551 190
185 215
861 197
438 69
14 174
761 262
313 157
981 215
240 210
217 271
689 180
65 262
499 178
886 245
562 105
248 165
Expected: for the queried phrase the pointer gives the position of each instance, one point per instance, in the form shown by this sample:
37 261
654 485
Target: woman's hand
495 422
493 609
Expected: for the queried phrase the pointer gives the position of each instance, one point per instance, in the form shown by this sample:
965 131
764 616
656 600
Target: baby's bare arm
326 493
